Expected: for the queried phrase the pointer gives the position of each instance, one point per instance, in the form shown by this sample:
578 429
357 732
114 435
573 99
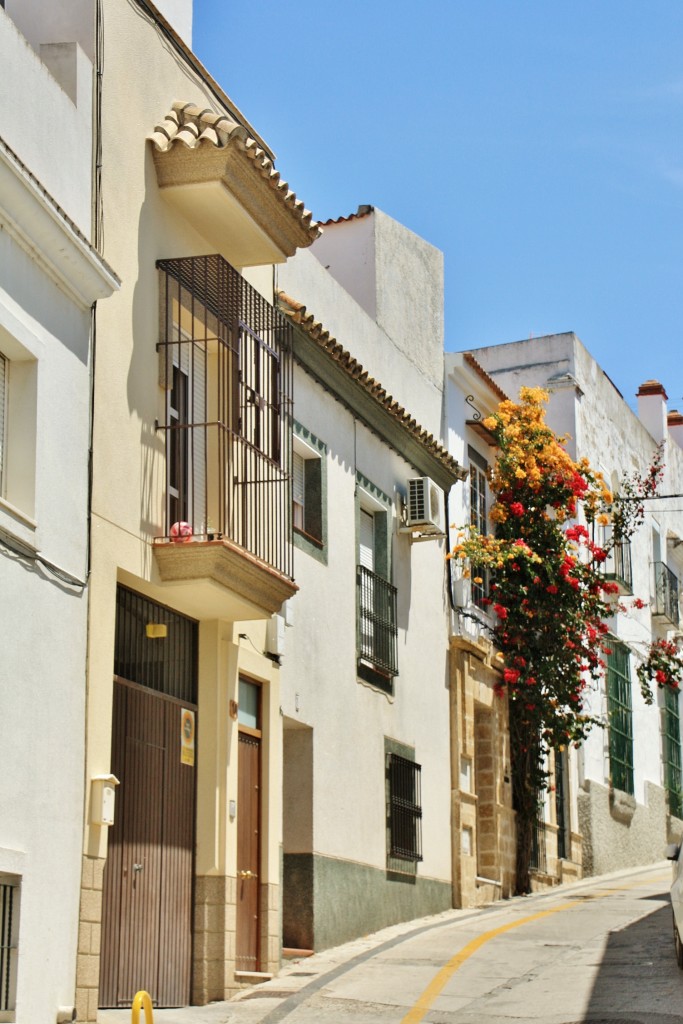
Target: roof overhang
338 372
225 185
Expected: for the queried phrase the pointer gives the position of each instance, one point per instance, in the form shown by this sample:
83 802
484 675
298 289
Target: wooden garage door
147 908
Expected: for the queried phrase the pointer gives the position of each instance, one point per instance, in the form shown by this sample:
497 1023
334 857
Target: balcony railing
666 593
225 365
617 566
377 629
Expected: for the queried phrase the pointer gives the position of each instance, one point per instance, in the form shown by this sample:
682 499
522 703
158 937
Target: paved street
594 953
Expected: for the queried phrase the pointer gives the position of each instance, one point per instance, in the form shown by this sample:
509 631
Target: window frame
375 586
404 807
618 690
311 537
10 910
478 516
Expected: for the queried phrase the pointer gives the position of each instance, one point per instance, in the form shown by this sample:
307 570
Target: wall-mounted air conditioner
425 512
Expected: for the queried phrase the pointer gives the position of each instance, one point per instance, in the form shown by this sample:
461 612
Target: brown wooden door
248 822
147 900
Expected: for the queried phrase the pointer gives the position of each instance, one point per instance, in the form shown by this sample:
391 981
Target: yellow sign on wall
186 736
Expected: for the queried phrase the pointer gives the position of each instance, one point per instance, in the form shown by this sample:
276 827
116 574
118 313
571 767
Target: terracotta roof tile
362 211
298 314
489 381
195 126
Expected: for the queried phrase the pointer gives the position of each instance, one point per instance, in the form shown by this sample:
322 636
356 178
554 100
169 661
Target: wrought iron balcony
377 629
666 593
226 369
617 566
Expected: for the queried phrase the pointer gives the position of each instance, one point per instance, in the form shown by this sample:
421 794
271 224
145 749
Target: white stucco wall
52 134
403 372
319 681
397 278
45 336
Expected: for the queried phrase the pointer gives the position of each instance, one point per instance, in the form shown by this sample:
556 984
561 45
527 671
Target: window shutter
298 489
3 403
366 554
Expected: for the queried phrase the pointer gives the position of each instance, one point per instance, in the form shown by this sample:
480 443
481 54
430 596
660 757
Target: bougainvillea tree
547 590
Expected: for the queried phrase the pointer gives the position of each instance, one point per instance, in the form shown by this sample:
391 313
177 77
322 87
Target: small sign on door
186 736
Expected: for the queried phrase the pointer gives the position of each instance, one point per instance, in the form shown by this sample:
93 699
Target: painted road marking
440 980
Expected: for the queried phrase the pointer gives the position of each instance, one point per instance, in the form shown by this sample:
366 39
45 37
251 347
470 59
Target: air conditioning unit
425 507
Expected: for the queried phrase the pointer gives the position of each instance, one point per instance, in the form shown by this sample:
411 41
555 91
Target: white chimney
652 399
675 424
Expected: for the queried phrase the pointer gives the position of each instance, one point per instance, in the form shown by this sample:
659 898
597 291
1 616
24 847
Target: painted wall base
328 901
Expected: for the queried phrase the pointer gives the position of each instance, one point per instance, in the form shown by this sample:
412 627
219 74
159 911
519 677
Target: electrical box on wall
102 799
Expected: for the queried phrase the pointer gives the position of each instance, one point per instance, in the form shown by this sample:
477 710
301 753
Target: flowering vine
547 589
663 666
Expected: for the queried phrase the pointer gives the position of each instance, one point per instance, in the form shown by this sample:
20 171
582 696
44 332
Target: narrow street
599 952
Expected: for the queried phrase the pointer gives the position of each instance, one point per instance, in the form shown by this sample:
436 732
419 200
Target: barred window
405 808
620 717
9 933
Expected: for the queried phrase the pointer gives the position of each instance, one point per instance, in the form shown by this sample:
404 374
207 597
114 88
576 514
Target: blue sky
538 144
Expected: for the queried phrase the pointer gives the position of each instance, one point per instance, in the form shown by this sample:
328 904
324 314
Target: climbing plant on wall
548 590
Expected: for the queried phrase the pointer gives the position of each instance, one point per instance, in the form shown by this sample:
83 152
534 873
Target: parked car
673 854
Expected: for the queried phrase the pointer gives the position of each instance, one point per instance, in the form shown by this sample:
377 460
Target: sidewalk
261 1002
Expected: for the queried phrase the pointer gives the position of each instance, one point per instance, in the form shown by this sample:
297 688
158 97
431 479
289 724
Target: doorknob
246 874
138 867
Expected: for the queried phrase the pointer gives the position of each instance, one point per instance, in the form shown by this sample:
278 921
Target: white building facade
625 781
51 278
365 688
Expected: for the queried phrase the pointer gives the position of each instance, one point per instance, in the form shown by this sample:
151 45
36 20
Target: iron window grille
620 716
618 567
405 808
166 664
226 367
377 623
538 859
666 593
561 803
9 918
672 753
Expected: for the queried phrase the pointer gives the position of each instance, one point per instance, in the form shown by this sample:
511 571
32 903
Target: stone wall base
89 939
215 925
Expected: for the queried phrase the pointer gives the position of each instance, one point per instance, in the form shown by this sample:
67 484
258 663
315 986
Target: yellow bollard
142 999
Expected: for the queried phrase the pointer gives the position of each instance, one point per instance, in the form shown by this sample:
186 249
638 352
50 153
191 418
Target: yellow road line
440 980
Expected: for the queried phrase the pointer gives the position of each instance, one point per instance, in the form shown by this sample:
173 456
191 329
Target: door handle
138 867
247 874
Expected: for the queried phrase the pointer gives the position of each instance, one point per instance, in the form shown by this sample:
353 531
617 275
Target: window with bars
620 718
167 664
225 365
377 629
9 936
404 810
478 517
673 778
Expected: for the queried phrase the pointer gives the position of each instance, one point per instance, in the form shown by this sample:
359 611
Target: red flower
661 677
552 589
511 675
517 508
500 611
